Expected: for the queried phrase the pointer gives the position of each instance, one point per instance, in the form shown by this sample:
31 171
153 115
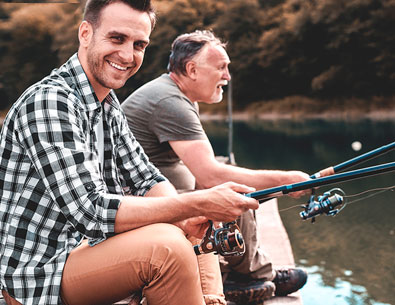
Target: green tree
31 44
242 35
329 49
315 48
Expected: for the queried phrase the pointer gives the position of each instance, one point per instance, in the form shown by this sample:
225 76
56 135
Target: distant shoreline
332 116
306 108
381 115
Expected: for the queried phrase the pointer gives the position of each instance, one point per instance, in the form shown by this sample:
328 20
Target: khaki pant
156 259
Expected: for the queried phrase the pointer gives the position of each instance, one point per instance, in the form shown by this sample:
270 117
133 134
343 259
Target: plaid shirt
52 191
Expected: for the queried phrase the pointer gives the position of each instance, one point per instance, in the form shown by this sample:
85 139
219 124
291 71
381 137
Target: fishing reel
227 240
324 204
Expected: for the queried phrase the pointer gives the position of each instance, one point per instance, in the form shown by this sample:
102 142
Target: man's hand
295 177
195 226
225 202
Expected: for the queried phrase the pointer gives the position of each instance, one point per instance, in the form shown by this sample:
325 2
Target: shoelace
282 276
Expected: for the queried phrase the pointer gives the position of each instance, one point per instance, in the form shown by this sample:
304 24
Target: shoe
253 292
289 280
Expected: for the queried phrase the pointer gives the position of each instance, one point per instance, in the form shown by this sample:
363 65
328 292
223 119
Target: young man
84 217
163 116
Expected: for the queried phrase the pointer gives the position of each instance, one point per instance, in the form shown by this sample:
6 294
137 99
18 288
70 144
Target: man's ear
190 69
85 33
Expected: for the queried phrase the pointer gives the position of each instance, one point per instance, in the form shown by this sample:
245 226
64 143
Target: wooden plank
276 243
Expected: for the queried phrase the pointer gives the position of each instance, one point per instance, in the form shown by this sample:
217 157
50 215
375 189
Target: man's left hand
195 226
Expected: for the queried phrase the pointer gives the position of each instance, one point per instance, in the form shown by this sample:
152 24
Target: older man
84 217
163 115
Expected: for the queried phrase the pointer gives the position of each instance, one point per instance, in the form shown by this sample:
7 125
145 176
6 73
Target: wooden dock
276 243
274 236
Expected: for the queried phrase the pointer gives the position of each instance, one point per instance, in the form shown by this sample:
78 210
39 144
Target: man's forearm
135 212
260 179
222 203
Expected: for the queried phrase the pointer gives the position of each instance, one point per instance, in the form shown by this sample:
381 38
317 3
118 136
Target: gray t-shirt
159 112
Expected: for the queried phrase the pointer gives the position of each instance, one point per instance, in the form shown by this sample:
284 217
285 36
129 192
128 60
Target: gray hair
186 46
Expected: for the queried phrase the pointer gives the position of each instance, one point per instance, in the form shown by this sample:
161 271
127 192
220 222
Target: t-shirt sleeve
176 119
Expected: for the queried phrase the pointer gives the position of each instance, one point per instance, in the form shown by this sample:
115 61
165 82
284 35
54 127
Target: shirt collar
75 76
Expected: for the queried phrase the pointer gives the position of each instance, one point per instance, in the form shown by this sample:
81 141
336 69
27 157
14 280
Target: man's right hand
226 202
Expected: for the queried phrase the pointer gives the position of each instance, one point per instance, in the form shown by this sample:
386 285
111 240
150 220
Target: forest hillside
308 56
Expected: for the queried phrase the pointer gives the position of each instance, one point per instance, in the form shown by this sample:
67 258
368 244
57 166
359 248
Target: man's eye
117 39
140 46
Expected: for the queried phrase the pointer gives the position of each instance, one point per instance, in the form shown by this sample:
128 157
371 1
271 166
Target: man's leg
248 277
255 262
210 277
157 259
210 274
251 276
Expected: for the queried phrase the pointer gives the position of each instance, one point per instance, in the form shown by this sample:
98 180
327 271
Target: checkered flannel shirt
52 192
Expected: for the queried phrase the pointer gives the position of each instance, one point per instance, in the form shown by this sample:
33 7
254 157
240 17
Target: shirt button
89 186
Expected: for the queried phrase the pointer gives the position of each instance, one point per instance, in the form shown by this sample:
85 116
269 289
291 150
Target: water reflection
342 293
350 256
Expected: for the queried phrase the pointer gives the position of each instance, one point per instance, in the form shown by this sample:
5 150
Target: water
350 257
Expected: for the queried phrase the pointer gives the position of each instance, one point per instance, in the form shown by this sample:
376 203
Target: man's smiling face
212 74
116 47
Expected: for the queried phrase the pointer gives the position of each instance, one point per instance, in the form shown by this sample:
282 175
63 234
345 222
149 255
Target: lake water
350 257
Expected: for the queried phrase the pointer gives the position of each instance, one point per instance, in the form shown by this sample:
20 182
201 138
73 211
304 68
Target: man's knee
175 251
173 265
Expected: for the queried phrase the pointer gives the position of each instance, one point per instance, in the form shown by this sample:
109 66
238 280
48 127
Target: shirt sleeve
176 119
54 132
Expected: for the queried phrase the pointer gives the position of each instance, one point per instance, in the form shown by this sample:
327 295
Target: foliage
31 45
319 49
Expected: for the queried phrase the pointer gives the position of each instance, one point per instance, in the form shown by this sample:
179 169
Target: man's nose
227 75
126 53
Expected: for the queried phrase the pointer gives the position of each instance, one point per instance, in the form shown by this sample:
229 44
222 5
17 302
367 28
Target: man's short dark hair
93 9
186 46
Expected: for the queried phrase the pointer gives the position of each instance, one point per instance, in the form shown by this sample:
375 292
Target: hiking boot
253 292
289 280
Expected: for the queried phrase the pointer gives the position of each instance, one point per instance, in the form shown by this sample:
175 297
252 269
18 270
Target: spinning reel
324 204
226 241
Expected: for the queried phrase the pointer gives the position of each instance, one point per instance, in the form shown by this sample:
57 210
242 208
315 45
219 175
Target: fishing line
289 208
376 190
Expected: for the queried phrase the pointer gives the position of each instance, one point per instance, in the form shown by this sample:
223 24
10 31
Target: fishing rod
354 161
300 186
328 202
228 239
328 176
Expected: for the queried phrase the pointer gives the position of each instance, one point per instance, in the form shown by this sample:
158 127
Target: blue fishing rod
354 161
228 239
335 197
300 186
